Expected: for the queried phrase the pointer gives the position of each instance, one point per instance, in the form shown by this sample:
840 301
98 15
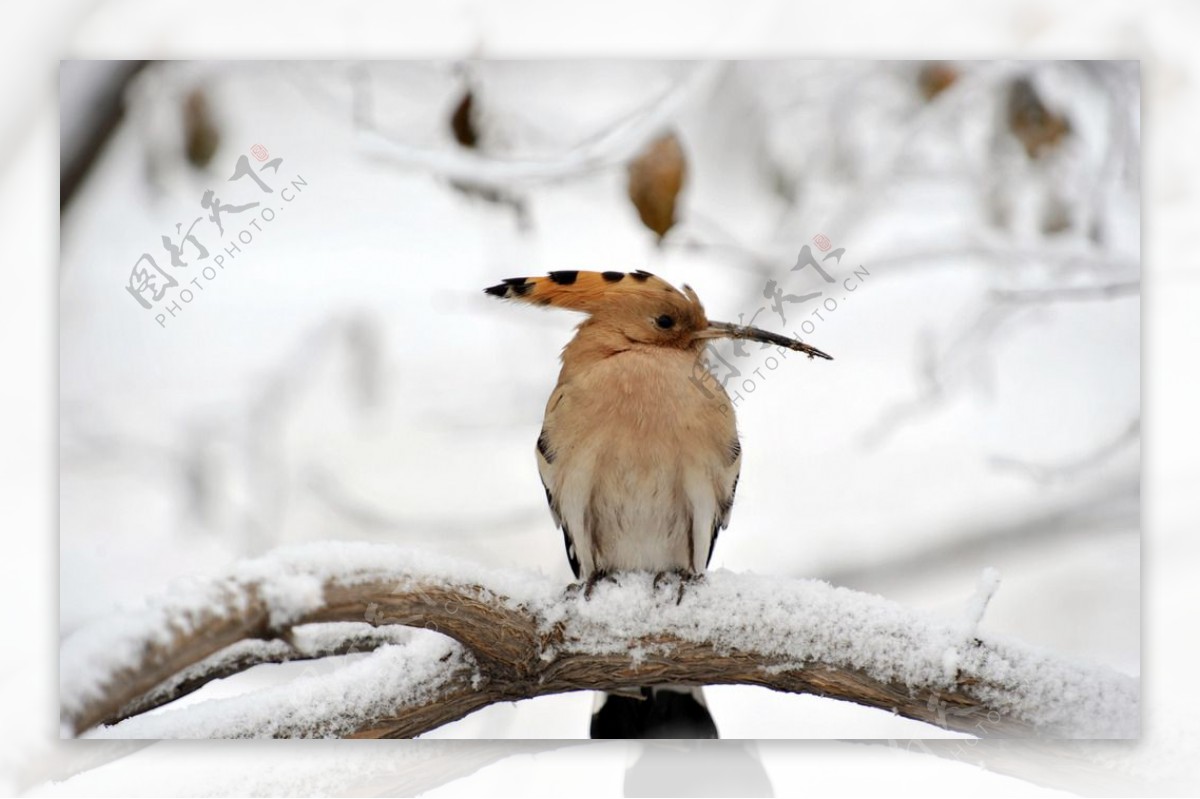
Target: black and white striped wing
726 490
546 469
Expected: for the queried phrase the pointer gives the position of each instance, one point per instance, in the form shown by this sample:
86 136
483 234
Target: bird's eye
665 322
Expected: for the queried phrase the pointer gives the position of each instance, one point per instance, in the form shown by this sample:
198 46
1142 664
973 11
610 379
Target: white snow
989 583
92 654
324 706
291 596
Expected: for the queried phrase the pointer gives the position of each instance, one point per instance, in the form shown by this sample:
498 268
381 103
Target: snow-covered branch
511 635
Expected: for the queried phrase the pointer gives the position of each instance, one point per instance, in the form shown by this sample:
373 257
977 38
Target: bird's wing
727 480
547 469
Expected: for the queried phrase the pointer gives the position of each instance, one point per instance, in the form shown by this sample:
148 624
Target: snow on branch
508 635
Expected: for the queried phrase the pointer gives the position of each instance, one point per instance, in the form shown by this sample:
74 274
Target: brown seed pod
655 179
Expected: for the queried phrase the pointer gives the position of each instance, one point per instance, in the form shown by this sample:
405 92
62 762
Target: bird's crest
589 292
640 306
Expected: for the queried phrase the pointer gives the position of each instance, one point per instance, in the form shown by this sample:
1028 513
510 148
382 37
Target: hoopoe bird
639 452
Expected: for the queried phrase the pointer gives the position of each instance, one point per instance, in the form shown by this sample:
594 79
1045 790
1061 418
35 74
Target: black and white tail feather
661 712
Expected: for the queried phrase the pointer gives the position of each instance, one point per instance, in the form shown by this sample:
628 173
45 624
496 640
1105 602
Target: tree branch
517 636
301 643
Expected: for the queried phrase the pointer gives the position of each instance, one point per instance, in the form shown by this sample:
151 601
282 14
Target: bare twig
91 117
1047 294
372 519
1130 434
1108 505
613 146
968 353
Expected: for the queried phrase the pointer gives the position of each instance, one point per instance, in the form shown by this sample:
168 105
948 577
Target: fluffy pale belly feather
640 464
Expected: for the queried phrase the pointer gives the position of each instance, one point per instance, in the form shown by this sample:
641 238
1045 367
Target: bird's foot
687 579
592 579
682 579
588 585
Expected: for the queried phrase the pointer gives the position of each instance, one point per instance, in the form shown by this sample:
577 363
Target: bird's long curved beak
727 330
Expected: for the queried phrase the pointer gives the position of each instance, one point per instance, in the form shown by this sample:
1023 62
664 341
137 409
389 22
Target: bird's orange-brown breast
644 460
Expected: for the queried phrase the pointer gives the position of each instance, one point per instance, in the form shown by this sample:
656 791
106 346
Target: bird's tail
666 711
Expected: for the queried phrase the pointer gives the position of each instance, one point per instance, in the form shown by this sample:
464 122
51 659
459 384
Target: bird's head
639 306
